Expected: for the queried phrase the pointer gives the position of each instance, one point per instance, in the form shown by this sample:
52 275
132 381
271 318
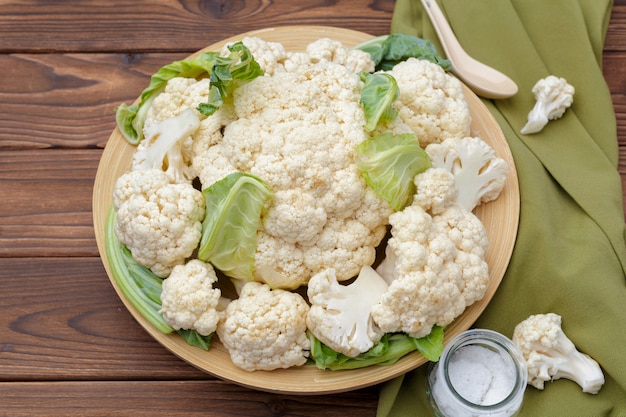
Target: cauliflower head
551 355
340 314
297 132
188 299
160 222
435 268
265 329
431 101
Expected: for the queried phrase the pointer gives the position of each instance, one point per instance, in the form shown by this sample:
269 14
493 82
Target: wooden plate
500 218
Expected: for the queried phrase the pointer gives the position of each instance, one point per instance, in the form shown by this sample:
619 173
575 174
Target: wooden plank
46 202
616 38
169 25
173 398
69 100
62 320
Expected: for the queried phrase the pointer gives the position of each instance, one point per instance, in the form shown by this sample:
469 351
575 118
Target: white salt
481 375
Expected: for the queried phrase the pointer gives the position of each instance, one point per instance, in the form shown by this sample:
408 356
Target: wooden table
67 344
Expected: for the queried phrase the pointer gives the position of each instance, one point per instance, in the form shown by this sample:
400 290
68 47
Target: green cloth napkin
570 254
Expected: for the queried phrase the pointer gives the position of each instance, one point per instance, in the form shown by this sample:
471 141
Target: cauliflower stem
141 287
387 351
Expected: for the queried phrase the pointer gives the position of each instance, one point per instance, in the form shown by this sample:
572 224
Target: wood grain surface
68 347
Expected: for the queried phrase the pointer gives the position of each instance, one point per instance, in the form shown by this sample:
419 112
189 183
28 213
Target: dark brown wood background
67 344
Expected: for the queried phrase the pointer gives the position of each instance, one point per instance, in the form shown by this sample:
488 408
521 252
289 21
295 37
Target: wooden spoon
484 80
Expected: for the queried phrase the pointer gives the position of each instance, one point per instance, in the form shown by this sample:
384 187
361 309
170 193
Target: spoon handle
481 78
448 40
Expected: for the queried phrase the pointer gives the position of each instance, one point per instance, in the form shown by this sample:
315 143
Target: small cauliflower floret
164 146
553 96
331 50
479 175
435 268
431 101
160 222
435 190
551 355
188 299
340 314
265 329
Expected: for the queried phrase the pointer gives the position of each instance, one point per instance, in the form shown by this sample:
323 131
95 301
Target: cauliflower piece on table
265 329
160 222
551 355
435 268
188 299
553 96
479 175
431 101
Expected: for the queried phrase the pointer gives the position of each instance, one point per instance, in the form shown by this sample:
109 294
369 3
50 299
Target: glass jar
480 373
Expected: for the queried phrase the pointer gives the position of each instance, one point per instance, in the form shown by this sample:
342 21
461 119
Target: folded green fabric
570 254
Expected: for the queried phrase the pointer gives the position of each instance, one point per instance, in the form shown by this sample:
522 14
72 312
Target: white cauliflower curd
297 132
431 102
265 329
160 222
189 300
435 267
274 58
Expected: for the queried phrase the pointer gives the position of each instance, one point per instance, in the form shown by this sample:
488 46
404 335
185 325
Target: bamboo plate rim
501 218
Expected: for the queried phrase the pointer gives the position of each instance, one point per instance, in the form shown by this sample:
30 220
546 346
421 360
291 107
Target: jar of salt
480 373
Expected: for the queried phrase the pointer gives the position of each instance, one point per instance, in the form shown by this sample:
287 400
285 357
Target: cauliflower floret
435 190
297 132
434 267
551 355
479 175
265 329
469 236
166 146
188 299
554 95
431 101
331 50
340 314
159 222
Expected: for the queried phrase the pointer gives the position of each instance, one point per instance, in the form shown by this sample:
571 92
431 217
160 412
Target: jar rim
493 340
